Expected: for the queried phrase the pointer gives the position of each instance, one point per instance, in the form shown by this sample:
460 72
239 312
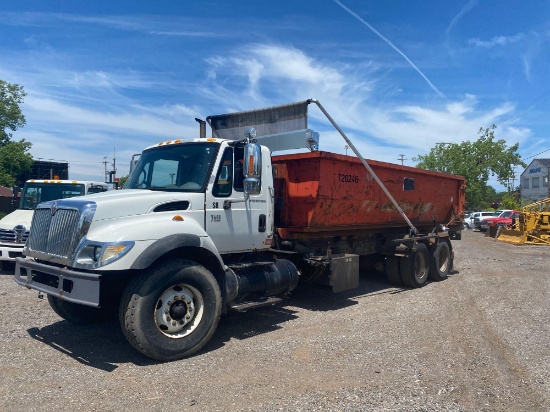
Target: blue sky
108 77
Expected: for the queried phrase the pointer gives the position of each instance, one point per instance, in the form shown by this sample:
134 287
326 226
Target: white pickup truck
478 220
469 222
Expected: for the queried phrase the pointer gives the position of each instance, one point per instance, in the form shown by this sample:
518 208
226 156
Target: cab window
239 169
230 174
224 177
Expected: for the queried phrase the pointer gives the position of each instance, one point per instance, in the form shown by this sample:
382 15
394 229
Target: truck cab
206 179
15 227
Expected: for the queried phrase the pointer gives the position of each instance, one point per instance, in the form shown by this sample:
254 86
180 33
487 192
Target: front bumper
9 253
61 282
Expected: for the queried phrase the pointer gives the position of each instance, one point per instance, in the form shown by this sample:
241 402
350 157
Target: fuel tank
328 192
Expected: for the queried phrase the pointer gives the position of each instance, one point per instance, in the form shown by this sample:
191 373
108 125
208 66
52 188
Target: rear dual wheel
440 261
415 267
411 270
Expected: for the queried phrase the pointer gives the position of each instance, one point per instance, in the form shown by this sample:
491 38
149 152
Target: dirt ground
479 341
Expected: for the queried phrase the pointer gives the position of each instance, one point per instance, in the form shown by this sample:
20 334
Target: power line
534 104
536 154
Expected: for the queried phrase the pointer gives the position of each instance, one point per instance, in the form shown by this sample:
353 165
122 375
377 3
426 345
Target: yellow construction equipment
532 227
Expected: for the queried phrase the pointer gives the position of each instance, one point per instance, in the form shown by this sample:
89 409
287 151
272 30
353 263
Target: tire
414 268
80 314
392 270
440 261
172 311
466 226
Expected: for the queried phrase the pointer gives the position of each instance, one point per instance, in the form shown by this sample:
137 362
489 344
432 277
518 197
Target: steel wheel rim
420 266
179 311
444 258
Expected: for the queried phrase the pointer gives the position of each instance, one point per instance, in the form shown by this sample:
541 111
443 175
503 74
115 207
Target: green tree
11 117
14 160
122 181
510 201
14 156
476 161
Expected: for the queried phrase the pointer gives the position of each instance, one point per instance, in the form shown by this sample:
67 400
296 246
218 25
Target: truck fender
167 244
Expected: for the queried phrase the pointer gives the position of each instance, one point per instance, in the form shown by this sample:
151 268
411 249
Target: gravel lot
479 341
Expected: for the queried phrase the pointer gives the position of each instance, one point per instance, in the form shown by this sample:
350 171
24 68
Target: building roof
4 191
543 162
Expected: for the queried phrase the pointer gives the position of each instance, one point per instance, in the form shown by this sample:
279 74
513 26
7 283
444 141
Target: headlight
112 251
91 255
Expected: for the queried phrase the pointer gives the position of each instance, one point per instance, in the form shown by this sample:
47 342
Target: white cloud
287 74
149 24
44 109
497 41
85 116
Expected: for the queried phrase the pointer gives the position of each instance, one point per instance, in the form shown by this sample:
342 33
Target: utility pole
105 165
402 158
114 163
112 173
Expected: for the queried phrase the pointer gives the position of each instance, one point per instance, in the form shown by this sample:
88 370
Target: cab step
243 307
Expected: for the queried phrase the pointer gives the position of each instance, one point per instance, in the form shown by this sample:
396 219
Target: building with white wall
534 180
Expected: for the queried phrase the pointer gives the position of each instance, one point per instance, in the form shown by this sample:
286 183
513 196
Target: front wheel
171 312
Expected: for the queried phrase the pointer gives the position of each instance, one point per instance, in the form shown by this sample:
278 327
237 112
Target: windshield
35 193
179 167
96 189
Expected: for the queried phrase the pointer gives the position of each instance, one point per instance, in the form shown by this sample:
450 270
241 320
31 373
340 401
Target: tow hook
40 295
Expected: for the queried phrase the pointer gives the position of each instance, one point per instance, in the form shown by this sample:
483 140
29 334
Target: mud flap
343 273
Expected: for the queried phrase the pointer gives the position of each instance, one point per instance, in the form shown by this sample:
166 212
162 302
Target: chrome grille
57 228
54 234
9 236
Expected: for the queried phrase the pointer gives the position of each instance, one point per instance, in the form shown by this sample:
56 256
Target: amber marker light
177 218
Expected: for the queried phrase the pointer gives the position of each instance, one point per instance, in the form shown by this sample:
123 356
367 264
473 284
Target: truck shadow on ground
103 346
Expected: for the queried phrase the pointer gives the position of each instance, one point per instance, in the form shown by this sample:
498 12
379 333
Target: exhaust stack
202 132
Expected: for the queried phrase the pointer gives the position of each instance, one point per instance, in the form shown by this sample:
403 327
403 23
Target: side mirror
15 198
252 169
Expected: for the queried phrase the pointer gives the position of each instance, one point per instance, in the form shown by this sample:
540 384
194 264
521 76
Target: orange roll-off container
322 192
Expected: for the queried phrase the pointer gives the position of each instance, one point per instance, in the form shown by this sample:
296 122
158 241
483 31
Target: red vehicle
504 219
